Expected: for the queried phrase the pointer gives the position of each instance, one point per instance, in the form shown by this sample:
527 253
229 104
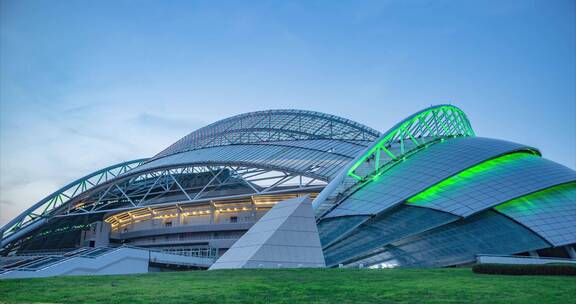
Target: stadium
426 193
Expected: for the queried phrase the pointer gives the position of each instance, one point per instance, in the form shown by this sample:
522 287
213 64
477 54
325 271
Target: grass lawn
295 286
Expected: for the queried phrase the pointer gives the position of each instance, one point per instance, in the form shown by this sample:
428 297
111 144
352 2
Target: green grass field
295 286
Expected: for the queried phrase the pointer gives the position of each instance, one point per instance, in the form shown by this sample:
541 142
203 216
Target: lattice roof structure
260 152
270 126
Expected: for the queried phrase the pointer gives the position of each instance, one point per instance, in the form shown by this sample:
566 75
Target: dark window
233 219
168 224
558 252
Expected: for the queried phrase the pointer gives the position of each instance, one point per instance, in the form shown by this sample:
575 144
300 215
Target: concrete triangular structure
285 237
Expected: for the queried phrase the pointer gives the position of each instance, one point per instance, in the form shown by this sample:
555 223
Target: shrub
509 269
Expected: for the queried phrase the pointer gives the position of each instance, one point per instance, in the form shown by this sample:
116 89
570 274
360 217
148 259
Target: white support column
212 212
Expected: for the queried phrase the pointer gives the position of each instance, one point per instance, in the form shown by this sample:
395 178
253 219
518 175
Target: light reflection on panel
493 182
422 170
332 228
383 229
551 213
459 243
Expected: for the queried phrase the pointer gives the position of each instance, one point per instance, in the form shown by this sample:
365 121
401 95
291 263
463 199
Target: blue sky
85 84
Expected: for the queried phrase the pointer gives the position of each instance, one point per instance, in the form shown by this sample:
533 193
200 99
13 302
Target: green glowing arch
412 134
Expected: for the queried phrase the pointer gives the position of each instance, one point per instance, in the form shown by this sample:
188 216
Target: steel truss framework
187 184
114 189
413 133
49 204
272 125
416 132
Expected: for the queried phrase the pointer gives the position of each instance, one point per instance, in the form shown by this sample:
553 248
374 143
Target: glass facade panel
332 228
420 171
459 242
551 213
383 229
493 182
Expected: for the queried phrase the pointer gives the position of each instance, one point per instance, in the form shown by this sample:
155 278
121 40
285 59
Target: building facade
426 193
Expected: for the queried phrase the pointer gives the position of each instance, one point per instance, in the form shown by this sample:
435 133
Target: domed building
429 193
426 193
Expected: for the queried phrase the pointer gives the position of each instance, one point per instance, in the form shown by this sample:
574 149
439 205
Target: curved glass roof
492 182
272 125
416 132
551 213
321 159
422 170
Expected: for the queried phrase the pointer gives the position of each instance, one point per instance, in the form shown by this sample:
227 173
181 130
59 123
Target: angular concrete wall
285 237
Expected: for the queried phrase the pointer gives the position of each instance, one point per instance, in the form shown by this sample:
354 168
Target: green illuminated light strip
537 200
431 122
461 178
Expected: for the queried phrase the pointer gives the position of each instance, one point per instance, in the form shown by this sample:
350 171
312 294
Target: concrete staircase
96 261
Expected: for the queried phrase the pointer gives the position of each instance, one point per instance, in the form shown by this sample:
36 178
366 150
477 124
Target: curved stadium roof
271 126
427 192
306 143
